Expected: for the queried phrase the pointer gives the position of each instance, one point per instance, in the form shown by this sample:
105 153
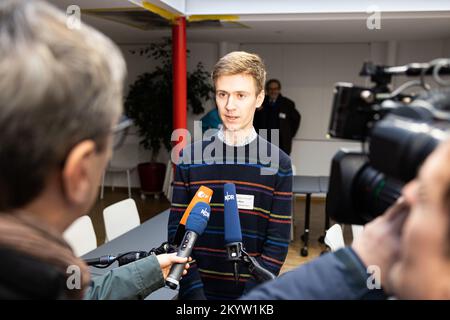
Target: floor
150 207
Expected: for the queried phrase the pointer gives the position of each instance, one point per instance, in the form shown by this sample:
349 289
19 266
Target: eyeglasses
120 131
124 123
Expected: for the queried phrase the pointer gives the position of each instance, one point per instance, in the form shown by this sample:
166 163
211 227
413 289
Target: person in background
211 120
279 113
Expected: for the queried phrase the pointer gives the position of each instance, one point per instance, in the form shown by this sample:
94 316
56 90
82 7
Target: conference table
150 234
308 185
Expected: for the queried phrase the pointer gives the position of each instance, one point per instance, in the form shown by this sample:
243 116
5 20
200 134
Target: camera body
401 130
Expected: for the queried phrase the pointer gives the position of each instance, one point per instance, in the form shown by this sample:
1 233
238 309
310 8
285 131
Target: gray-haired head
58 86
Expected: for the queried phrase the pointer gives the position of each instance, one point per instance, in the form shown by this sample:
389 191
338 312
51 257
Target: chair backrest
81 236
294 170
334 238
120 217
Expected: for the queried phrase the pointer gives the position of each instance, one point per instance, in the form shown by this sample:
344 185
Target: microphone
233 238
103 260
195 225
203 194
122 259
127 257
232 227
131 257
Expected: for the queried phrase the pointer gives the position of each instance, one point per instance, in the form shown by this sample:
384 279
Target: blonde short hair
241 62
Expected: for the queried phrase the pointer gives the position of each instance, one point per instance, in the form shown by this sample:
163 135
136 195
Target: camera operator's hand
168 259
379 243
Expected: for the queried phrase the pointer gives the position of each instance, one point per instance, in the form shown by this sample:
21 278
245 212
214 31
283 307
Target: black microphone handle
100 260
131 257
261 274
234 251
184 250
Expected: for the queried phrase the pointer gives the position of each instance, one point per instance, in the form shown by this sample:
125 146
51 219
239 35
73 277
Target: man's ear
260 99
76 180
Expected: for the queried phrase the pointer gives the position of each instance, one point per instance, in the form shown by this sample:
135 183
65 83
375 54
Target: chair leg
129 184
305 237
103 185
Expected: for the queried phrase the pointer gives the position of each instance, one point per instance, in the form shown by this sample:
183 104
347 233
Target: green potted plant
149 105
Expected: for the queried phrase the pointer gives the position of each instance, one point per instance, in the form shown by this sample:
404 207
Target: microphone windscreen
203 194
232 223
198 219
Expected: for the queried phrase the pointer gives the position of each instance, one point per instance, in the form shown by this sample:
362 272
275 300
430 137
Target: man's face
237 101
423 269
273 90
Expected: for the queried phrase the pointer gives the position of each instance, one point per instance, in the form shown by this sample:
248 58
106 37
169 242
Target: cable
165 247
439 64
104 266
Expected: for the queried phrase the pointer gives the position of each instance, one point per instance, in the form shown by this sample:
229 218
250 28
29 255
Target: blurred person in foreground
60 98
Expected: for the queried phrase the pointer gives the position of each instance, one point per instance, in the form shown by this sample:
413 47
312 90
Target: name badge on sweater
245 201
282 115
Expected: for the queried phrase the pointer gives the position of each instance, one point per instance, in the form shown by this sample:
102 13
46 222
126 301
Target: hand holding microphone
195 225
168 259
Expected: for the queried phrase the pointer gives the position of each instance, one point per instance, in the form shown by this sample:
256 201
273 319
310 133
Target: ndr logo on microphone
229 197
205 213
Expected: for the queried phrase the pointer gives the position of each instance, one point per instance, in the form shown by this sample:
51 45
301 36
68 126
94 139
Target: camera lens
373 193
357 192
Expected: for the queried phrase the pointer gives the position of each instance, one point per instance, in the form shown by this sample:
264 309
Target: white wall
308 73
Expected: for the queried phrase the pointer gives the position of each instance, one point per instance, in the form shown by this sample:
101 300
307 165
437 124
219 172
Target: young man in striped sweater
262 175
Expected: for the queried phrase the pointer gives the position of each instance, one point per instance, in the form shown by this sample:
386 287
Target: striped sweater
265 226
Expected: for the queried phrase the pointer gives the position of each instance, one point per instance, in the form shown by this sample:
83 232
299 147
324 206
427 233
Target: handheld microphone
122 259
232 227
131 257
127 257
103 260
203 194
195 225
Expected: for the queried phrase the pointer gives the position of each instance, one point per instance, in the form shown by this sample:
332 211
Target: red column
179 75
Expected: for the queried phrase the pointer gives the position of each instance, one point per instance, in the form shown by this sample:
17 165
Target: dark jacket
339 275
23 277
289 120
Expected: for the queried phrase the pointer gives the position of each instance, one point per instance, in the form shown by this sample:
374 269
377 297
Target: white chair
80 235
168 180
120 217
114 170
115 166
334 238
